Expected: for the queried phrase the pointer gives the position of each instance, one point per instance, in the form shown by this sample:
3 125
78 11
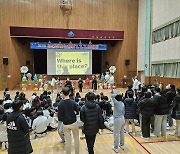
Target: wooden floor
50 144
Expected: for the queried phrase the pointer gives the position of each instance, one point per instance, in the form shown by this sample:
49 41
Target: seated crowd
152 109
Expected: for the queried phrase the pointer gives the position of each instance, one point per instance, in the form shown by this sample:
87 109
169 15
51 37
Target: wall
163 12
141 39
165 81
86 14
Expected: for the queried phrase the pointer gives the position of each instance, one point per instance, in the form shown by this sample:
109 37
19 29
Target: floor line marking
140 144
159 141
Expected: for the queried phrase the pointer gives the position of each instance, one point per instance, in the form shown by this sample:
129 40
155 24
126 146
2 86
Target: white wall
164 11
141 35
166 50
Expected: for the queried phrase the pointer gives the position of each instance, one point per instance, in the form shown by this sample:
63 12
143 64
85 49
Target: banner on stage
67 46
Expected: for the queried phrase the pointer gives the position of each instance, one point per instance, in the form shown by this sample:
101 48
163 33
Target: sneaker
3 146
134 133
82 137
115 150
62 141
145 137
173 134
7 145
171 128
121 146
153 135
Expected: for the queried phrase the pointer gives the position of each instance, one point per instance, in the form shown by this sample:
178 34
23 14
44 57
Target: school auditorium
89 76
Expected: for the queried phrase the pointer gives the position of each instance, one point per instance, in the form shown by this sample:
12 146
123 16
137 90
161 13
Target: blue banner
67 46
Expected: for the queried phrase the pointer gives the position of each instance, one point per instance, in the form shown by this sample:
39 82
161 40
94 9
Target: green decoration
35 79
102 77
24 79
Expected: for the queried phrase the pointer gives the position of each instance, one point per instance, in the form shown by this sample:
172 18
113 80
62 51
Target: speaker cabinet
27 63
5 60
127 62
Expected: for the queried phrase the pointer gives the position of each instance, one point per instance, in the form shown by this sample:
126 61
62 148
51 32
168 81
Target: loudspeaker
127 62
5 60
106 63
27 62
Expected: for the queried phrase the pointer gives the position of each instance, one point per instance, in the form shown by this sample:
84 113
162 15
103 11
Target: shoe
82 137
44 134
147 138
7 145
115 150
173 134
62 141
153 135
3 146
134 133
170 128
121 146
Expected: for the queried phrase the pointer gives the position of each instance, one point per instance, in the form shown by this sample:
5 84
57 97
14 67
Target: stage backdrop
68 62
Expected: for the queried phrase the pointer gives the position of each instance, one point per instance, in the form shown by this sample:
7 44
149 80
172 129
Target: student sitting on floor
52 121
46 112
3 130
40 124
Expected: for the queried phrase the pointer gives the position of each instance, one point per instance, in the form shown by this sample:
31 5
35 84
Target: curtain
170 31
178 70
158 70
170 70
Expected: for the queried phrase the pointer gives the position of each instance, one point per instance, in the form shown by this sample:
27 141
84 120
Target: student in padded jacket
147 111
176 112
18 131
161 111
91 115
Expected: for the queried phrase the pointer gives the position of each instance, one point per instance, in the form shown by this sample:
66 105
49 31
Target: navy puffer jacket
130 108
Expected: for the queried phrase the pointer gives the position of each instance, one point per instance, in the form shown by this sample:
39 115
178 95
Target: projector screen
76 62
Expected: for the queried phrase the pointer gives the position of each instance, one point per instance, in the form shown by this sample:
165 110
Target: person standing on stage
58 84
67 111
53 81
111 82
80 84
87 83
94 83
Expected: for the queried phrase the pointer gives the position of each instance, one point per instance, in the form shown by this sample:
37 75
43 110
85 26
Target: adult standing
87 83
80 84
94 83
67 112
119 121
111 82
18 131
135 85
91 115
53 81
58 84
